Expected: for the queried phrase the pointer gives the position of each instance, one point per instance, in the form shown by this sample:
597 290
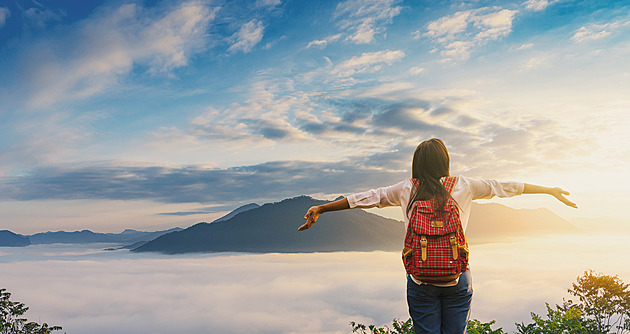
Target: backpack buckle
454 247
423 247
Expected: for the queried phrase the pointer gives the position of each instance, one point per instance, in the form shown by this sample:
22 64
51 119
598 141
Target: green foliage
604 301
561 320
399 327
477 327
11 321
474 327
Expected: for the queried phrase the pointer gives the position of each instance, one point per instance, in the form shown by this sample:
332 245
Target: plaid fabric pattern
439 264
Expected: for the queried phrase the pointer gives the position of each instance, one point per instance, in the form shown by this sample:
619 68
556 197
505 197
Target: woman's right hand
311 217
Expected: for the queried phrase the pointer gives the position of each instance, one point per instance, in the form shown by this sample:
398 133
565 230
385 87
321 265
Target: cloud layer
87 290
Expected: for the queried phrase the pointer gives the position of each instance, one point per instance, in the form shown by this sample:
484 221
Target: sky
154 114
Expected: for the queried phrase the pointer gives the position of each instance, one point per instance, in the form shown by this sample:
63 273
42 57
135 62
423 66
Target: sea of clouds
88 290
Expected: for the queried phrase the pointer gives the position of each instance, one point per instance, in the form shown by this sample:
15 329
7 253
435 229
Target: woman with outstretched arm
435 307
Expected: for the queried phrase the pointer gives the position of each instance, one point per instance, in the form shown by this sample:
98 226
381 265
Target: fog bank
86 290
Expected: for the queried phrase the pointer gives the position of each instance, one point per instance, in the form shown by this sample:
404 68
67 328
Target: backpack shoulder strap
449 183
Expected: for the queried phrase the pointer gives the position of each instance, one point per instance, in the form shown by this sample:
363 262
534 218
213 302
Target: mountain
237 211
10 239
86 236
495 222
273 228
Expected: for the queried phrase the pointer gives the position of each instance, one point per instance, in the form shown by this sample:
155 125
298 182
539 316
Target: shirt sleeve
484 189
378 198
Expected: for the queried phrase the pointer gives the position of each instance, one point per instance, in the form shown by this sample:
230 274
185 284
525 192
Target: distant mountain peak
236 211
272 227
10 239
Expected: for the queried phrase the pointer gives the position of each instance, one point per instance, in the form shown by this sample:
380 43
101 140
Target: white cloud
597 31
368 62
250 34
105 48
323 42
457 50
525 46
445 28
537 5
416 70
591 33
268 3
494 25
462 31
541 60
40 17
363 19
263 118
339 76
4 14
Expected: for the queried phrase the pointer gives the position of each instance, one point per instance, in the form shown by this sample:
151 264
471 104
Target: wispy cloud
522 47
323 42
458 34
95 54
40 17
361 20
250 34
268 3
595 31
4 15
538 5
416 70
277 110
368 62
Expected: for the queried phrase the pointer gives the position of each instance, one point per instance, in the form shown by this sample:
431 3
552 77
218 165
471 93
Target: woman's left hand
559 194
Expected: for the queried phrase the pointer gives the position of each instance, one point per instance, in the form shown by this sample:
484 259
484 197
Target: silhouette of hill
237 211
495 222
273 228
10 239
87 236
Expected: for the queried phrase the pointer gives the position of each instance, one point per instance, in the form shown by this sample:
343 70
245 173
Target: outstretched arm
558 193
313 212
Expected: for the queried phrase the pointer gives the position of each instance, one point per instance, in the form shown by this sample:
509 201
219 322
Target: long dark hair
430 164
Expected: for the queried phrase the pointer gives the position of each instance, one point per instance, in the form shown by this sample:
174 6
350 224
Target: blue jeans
436 310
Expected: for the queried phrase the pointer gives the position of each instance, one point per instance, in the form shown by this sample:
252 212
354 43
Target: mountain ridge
272 227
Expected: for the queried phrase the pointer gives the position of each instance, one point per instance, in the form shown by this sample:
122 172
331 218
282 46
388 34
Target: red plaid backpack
435 250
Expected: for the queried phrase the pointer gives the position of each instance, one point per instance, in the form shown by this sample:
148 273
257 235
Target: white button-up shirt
465 191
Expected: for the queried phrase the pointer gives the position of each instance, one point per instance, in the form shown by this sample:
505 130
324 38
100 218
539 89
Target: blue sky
151 114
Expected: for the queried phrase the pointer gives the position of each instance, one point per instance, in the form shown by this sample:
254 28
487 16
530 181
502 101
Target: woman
439 307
